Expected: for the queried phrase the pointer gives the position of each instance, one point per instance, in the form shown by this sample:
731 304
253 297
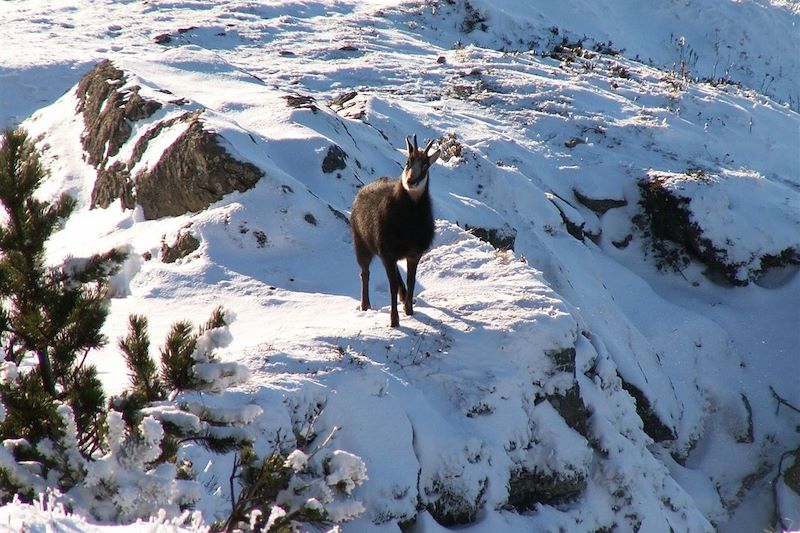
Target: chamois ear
409 146
428 147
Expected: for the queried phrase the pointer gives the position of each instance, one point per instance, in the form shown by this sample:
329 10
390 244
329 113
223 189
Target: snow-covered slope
570 383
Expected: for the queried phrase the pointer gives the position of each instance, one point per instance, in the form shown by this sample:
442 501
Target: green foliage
51 316
261 482
141 368
280 492
30 410
217 320
176 357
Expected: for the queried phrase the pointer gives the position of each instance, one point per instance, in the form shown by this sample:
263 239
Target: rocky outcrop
599 205
501 238
185 243
108 109
656 428
529 487
680 230
451 507
194 172
335 159
190 174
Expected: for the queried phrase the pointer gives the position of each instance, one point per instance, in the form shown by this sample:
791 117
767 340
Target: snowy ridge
463 408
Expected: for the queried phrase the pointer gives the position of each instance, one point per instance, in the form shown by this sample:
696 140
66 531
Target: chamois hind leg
364 258
401 287
391 273
411 266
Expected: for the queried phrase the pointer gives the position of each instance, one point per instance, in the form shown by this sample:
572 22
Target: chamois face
415 173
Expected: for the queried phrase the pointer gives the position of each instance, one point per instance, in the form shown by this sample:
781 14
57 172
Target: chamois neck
415 189
416 194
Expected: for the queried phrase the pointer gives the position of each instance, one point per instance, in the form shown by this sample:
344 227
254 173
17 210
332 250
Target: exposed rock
501 238
653 425
791 476
670 220
572 142
746 436
571 408
671 223
112 183
107 111
338 214
301 101
527 488
622 244
569 404
449 147
599 205
115 181
338 103
185 243
194 172
335 159
450 507
572 219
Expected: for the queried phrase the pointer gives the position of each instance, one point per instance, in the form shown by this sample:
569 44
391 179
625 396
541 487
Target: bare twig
776 484
782 401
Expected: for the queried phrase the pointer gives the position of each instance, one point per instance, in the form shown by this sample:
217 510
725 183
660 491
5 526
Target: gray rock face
194 172
108 111
191 174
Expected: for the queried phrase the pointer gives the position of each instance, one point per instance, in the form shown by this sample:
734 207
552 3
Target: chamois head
415 173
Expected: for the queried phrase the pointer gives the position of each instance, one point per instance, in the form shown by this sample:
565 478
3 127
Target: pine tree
48 315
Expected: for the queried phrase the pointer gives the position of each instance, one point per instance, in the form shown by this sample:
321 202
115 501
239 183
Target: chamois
393 219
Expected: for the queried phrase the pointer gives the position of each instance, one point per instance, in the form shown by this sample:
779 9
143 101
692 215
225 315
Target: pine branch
141 367
176 357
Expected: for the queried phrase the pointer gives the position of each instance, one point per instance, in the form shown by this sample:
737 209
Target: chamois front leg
411 266
391 273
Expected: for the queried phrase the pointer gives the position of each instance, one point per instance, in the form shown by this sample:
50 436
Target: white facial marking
415 190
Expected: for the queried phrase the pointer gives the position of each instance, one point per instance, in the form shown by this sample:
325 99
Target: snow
457 397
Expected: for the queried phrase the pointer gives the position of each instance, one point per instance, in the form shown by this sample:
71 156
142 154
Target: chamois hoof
408 309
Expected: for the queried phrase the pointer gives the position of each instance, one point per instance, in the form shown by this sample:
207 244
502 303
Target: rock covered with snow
738 223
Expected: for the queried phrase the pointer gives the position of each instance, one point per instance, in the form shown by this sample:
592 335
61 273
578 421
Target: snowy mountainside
568 383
